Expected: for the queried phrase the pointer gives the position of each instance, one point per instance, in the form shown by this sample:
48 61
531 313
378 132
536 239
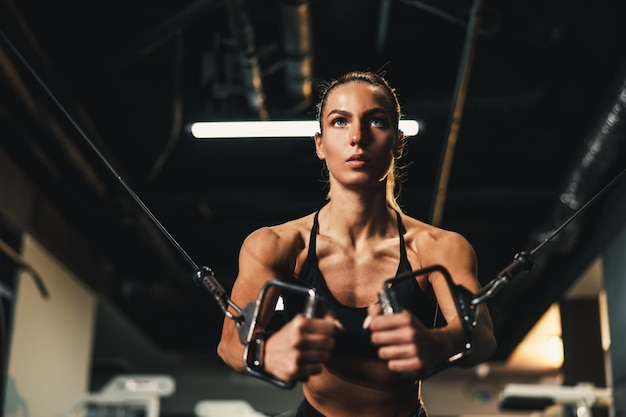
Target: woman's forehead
355 93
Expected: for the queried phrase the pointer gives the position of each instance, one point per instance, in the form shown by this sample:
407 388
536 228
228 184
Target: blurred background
107 201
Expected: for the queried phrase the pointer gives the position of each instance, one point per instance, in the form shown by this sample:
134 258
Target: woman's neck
356 218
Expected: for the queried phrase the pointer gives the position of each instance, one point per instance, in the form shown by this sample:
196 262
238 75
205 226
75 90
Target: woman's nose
357 136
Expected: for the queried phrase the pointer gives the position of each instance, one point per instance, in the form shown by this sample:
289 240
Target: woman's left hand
405 343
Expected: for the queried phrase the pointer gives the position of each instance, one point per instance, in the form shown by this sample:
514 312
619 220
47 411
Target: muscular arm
298 348
264 255
457 255
411 346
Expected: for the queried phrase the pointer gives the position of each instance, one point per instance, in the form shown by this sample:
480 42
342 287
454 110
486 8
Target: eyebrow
369 112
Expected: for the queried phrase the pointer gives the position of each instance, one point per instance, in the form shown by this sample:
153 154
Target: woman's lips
356 161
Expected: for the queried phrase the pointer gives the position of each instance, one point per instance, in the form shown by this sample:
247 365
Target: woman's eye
339 122
378 123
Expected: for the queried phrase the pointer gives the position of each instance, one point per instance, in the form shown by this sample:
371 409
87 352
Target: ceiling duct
297 40
598 159
244 36
593 164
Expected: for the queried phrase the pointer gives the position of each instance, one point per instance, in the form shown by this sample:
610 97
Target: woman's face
359 138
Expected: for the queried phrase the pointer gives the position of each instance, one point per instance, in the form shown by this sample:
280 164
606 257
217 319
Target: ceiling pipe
595 161
298 44
244 36
383 24
601 156
454 123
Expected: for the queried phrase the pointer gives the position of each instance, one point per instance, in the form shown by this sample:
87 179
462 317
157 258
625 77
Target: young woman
355 360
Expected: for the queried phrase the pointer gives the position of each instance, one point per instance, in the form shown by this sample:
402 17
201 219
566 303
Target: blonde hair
395 172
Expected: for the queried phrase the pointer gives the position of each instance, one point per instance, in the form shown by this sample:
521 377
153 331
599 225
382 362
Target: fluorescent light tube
272 129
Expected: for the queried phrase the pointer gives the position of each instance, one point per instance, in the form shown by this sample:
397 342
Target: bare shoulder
437 245
277 246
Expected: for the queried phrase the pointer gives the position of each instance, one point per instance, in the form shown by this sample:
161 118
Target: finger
308 370
317 341
373 310
327 325
389 322
398 351
392 335
329 317
314 356
405 365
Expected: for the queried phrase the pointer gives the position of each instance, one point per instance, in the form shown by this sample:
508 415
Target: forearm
230 350
454 339
481 343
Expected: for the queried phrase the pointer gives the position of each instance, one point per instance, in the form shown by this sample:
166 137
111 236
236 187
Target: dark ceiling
538 87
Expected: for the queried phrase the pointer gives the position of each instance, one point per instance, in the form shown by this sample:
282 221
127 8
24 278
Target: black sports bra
355 341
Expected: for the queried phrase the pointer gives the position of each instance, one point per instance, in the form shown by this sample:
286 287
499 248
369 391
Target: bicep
458 258
264 256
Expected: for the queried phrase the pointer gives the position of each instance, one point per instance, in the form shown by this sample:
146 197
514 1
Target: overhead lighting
273 129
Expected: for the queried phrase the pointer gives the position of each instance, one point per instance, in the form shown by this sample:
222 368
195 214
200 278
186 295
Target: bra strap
313 238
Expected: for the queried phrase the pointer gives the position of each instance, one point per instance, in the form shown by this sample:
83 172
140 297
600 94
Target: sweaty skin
357 250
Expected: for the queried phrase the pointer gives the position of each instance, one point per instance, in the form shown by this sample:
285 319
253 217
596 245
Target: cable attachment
522 262
204 277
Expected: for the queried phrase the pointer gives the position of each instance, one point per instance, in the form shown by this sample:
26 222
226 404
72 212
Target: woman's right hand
299 348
